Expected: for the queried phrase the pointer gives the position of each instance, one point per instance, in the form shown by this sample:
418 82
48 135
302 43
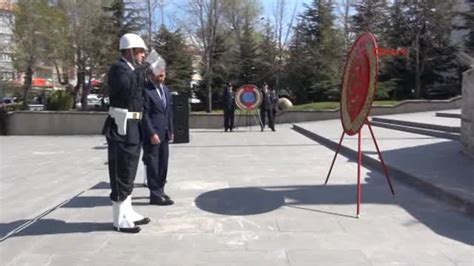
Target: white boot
134 216
121 217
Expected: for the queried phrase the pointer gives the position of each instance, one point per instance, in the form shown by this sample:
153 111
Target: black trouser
155 158
269 114
123 162
229 118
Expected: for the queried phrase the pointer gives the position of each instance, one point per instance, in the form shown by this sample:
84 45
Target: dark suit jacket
228 101
125 91
266 101
157 119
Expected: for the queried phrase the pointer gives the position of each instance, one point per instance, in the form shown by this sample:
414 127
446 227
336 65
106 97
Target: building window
5 57
6 75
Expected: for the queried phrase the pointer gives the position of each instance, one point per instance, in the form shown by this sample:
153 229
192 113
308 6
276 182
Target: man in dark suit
266 108
122 129
228 104
158 129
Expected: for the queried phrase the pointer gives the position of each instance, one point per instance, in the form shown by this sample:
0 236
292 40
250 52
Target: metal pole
335 155
381 158
359 164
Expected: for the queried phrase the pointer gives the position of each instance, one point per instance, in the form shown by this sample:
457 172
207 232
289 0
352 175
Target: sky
174 9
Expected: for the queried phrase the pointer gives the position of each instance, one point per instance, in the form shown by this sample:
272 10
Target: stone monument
467 112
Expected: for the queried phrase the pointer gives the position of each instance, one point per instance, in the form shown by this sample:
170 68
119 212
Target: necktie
162 94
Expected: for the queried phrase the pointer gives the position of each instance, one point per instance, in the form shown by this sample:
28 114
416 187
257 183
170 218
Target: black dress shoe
143 221
132 230
161 200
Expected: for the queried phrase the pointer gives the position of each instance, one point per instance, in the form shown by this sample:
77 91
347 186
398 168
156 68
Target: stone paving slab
242 198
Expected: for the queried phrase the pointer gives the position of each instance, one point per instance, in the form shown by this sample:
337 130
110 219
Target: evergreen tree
248 55
424 28
315 54
172 47
371 16
267 58
124 18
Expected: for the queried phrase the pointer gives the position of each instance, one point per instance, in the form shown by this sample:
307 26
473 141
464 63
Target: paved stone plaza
242 198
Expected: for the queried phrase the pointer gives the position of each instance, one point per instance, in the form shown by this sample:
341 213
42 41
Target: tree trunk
27 86
417 67
81 88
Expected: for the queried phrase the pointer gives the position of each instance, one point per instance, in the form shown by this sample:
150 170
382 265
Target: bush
59 101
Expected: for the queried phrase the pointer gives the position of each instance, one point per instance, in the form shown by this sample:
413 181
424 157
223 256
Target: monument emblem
359 83
358 89
248 97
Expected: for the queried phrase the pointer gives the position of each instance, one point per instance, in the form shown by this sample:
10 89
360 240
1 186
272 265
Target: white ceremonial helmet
131 40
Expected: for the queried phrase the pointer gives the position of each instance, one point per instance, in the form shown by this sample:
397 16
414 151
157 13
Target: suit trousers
229 118
123 162
155 158
268 113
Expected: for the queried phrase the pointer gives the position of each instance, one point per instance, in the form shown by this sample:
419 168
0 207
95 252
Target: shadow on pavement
53 226
257 200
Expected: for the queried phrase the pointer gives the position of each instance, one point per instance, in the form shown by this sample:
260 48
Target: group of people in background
268 107
140 117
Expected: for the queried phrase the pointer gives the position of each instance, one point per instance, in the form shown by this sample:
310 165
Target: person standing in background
274 103
228 105
266 108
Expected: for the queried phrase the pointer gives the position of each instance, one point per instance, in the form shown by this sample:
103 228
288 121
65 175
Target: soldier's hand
155 139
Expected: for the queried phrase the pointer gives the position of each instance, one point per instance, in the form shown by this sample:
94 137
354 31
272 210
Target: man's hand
155 139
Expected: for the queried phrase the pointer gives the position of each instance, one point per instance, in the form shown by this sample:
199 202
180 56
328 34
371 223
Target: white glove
157 63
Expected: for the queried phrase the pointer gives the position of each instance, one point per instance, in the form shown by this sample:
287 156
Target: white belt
134 115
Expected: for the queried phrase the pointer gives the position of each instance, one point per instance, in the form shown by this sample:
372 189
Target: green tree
247 58
424 28
315 54
371 16
29 31
171 46
267 58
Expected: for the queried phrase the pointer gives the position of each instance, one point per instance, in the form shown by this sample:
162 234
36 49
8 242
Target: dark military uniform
126 92
228 104
266 110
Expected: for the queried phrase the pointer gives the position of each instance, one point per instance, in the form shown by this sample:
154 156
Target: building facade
7 71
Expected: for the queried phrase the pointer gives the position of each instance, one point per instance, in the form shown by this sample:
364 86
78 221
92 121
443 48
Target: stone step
418 130
449 115
418 124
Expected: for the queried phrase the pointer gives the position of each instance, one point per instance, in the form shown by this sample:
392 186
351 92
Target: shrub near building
59 101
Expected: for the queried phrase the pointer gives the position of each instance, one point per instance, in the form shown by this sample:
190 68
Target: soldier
228 104
266 108
122 129
274 103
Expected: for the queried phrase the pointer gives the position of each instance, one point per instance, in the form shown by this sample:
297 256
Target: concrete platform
242 198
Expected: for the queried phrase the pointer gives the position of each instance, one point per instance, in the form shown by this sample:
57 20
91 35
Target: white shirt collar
128 63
